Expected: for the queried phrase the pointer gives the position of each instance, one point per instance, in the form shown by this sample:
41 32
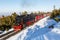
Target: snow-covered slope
39 31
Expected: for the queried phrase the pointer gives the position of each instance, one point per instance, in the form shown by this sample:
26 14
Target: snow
45 37
51 22
39 31
56 30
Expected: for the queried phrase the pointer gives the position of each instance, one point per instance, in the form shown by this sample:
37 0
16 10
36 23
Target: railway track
9 34
2 36
6 33
5 36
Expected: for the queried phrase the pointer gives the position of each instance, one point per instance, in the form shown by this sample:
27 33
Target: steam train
22 21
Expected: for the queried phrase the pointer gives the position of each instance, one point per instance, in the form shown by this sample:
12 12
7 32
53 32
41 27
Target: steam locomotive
23 21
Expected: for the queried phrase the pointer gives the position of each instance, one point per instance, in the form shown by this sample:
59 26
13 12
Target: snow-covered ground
39 31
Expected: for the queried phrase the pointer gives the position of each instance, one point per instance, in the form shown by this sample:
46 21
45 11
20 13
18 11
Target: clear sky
29 5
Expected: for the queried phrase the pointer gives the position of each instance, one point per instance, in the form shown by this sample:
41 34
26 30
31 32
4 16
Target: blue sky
29 5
